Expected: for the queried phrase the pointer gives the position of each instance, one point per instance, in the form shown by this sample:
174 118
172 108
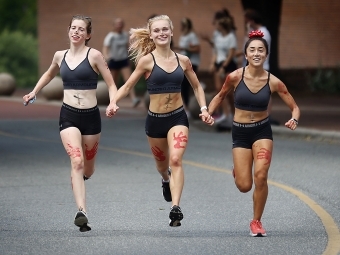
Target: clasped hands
207 118
111 109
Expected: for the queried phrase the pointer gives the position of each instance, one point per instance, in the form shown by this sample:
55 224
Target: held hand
29 98
111 110
292 124
206 117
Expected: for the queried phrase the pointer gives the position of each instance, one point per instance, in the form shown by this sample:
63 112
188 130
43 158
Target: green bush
19 57
325 80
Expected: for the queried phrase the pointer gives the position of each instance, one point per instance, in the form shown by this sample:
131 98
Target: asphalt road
127 210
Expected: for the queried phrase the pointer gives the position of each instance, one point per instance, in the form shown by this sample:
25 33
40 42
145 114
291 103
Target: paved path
126 208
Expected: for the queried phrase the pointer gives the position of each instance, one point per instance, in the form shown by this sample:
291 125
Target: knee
260 179
244 187
175 160
77 164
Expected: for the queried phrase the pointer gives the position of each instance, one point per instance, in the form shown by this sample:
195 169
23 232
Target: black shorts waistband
167 114
73 109
250 125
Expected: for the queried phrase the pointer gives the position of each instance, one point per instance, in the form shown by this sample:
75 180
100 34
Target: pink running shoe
256 228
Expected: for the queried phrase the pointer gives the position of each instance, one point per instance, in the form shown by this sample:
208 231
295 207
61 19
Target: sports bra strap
87 55
268 77
155 60
65 54
177 58
243 72
153 57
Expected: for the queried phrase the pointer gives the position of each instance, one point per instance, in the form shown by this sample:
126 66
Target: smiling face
78 32
161 32
256 53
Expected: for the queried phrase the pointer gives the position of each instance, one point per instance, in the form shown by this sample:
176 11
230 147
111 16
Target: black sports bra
82 77
244 99
160 81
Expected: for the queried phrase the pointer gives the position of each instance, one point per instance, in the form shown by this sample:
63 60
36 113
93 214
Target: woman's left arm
279 87
198 90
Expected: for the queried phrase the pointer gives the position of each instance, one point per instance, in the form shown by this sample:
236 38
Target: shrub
19 57
325 80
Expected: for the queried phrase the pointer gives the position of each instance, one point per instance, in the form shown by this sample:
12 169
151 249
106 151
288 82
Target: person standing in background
223 63
189 46
115 51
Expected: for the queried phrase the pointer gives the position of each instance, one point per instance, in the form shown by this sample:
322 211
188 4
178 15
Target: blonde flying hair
140 42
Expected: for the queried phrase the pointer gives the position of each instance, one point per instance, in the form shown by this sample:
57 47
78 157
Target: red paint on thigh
90 154
73 152
181 138
264 154
158 153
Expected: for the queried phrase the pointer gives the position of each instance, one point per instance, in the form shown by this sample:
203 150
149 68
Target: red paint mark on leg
181 138
73 152
264 154
90 154
158 153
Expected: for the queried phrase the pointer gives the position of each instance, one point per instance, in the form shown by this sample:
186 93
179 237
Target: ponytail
140 43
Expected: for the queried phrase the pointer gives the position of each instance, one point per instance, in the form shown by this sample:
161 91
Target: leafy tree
19 15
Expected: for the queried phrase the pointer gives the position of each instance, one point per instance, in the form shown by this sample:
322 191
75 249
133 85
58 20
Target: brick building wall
307 34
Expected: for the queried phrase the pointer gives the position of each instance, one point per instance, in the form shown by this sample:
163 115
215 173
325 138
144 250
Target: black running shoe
85 178
81 221
166 191
175 216
166 188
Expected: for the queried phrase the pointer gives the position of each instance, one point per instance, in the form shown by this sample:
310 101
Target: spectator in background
189 46
223 63
115 51
224 118
224 13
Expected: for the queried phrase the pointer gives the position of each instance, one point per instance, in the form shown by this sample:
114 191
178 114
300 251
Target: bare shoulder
182 58
273 78
145 62
276 85
235 76
59 55
184 62
93 53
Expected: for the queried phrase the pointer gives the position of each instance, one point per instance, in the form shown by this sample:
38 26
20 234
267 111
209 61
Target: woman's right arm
51 72
141 68
231 80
